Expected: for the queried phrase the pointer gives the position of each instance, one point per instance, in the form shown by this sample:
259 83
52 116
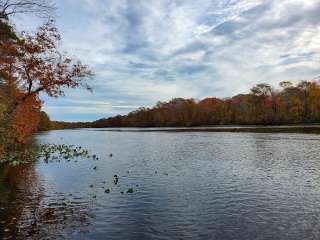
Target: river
186 185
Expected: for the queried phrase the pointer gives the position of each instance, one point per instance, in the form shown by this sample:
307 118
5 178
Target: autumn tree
38 66
285 84
33 64
44 122
304 87
211 111
260 94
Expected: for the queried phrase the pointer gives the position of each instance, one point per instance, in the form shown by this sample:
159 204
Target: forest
264 105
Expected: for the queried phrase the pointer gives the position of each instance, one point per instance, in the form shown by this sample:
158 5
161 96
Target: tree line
263 105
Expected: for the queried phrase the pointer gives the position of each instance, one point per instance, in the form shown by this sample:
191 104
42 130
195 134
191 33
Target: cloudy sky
143 51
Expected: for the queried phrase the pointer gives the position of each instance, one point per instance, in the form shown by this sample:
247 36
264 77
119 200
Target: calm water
188 186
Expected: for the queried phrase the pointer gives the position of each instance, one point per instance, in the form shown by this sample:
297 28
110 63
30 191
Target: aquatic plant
130 190
51 152
46 152
18 155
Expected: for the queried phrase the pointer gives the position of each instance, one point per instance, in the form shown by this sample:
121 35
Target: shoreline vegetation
264 105
31 66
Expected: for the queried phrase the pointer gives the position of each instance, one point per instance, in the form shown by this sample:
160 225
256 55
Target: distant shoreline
240 128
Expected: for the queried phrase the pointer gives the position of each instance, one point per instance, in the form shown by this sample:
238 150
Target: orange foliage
29 65
25 119
263 105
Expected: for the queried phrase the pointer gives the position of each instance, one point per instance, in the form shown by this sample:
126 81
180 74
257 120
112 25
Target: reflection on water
28 212
186 186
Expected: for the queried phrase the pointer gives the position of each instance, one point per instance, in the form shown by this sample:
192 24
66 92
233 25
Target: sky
145 51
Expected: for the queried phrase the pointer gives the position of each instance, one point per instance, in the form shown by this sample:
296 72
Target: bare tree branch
41 8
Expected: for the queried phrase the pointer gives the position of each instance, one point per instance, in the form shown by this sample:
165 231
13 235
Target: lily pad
130 190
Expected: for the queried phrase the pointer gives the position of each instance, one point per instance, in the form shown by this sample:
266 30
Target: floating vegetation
54 152
130 190
19 155
107 189
115 179
62 152
47 152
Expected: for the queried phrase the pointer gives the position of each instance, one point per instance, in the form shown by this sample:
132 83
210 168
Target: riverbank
257 129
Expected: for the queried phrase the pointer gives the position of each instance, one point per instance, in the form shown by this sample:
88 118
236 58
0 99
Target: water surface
188 185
